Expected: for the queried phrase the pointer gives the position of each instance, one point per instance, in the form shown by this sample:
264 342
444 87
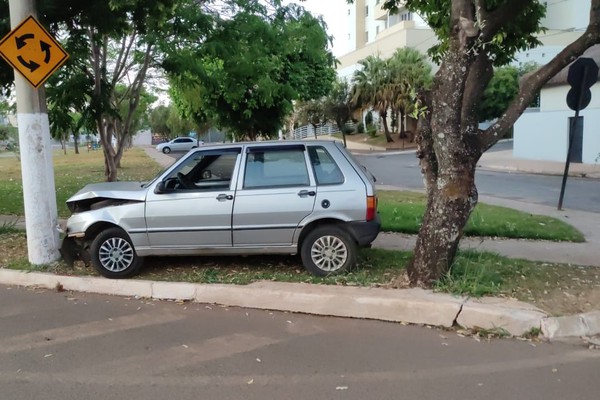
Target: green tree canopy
502 89
246 74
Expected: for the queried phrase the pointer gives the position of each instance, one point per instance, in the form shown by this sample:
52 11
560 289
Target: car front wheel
166 150
113 255
328 250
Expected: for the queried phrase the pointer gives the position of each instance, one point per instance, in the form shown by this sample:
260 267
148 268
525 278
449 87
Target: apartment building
374 31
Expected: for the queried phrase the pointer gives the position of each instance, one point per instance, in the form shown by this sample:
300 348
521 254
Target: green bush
360 128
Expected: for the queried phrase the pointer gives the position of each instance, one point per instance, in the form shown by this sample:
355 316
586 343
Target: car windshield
150 182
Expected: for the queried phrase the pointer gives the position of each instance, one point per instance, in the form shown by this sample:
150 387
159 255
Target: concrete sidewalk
505 161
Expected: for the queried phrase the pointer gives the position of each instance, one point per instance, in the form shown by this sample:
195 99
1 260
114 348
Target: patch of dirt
560 289
563 302
13 246
397 145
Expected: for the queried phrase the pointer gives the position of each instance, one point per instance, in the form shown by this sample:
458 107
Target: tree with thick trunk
474 35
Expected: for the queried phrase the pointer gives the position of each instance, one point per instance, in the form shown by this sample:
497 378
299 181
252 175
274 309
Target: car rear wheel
113 255
328 250
166 150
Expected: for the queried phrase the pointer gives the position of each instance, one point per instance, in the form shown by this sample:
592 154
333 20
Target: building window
348 11
367 11
367 37
376 30
407 16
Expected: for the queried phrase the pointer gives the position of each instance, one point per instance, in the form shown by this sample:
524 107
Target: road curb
509 315
414 306
579 325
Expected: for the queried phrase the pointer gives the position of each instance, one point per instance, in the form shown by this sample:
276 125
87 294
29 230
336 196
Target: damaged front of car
99 207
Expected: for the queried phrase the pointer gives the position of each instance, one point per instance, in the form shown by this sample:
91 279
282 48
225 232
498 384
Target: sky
334 14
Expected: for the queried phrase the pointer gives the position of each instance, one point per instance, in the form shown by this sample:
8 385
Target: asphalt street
402 170
61 345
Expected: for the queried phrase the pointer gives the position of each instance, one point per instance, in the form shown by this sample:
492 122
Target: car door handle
304 193
223 197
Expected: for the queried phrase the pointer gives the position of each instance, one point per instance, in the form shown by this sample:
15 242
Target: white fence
308 131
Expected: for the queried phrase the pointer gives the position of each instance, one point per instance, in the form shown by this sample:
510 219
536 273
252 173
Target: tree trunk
448 153
402 128
386 129
448 210
76 143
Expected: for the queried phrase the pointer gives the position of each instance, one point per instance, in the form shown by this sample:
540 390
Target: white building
372 31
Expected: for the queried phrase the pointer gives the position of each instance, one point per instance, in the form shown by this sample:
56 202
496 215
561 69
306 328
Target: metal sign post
583 73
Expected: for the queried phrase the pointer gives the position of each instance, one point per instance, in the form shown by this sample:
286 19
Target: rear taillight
371 207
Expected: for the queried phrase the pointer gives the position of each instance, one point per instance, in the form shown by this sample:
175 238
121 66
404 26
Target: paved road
79 346
581 193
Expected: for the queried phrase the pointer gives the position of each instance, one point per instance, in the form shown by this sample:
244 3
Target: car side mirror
161 187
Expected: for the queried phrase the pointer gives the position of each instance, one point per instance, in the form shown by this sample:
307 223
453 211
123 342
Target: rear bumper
365 232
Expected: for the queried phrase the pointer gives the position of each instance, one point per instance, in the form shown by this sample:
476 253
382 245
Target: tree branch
493 21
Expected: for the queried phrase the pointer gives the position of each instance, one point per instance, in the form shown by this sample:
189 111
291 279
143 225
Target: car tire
166 150
113 255
328 250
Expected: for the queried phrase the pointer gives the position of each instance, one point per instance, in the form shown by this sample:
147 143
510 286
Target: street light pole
39 194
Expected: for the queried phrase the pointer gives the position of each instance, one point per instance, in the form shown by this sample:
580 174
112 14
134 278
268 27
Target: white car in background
179 144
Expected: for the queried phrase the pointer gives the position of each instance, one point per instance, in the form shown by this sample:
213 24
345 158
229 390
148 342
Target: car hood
111 190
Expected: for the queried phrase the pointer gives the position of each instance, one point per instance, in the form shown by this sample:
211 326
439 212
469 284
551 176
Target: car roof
271 143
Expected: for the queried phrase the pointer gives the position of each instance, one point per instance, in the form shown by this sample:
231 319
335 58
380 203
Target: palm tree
410 72
371 88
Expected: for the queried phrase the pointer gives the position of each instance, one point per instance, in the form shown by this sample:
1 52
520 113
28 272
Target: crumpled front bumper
71 247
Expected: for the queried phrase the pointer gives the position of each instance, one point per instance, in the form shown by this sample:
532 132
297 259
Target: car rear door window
275 168
326 170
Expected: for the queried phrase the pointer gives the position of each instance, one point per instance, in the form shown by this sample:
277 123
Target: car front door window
211 170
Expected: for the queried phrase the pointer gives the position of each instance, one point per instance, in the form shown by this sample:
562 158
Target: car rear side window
326 170
275 168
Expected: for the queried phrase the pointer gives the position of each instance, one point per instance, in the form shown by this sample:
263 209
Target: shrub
360 128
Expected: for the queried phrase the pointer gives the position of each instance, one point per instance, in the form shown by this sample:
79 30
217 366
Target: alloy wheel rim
116 254
329 253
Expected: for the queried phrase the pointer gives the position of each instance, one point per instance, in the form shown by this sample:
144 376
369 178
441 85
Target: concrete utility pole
39 194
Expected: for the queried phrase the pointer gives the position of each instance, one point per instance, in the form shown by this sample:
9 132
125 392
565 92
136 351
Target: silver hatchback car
285 197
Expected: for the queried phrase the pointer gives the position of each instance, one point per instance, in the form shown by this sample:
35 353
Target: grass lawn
556 288
400 211
403 212
71 173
